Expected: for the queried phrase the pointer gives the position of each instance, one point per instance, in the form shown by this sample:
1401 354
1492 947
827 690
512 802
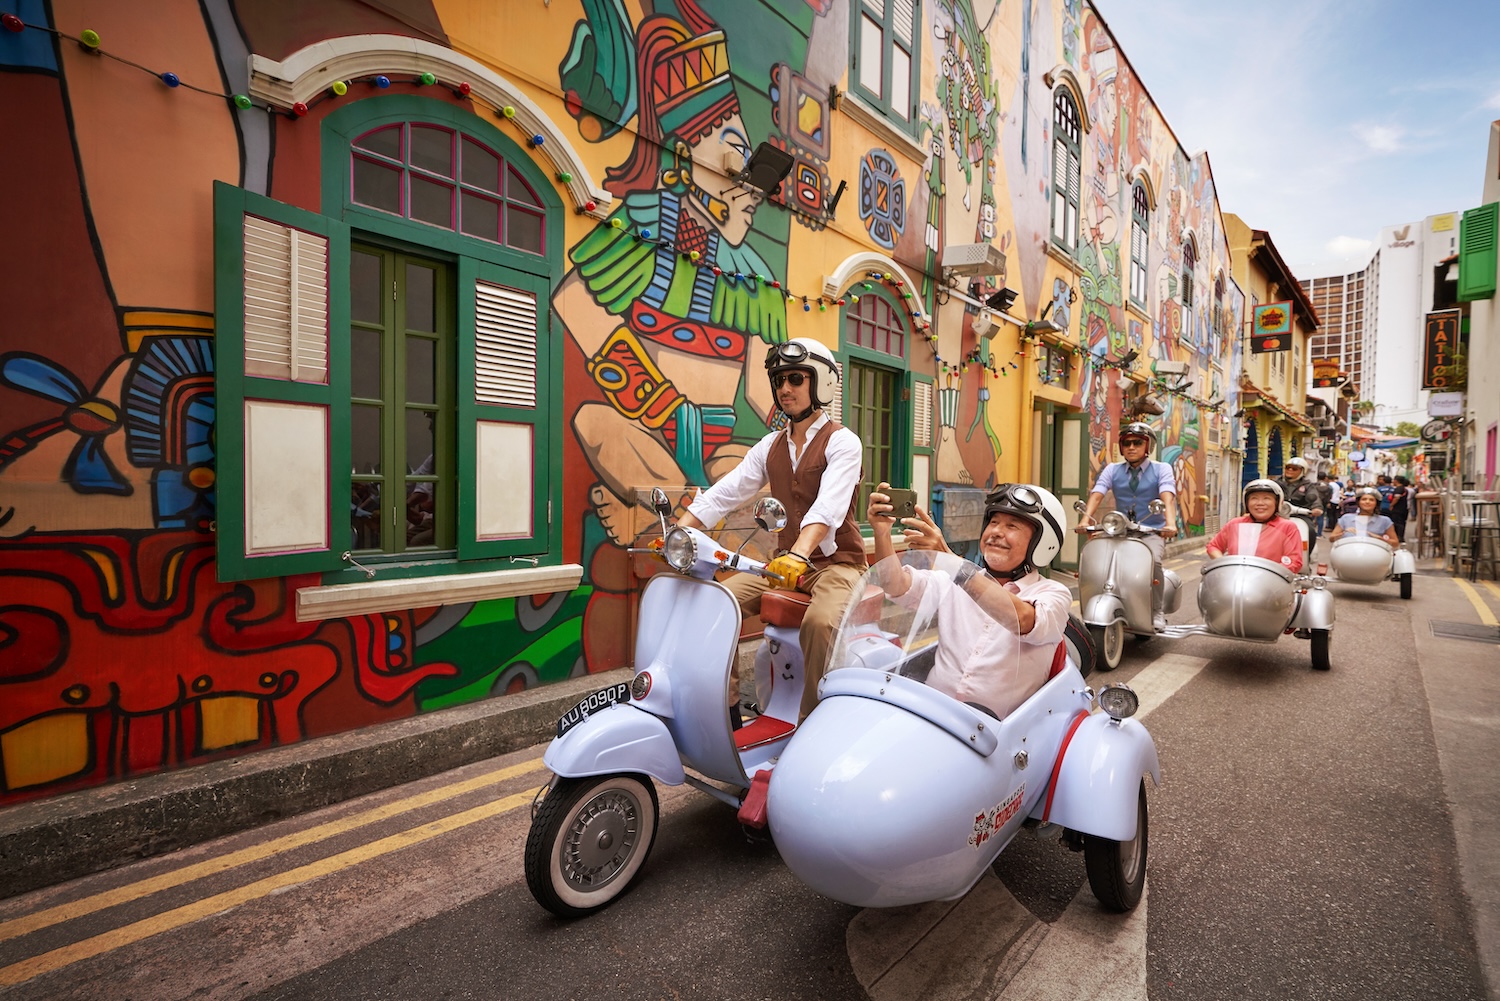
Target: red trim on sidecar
1057 765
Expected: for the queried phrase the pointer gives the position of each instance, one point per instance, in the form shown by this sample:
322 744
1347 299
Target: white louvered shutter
835 409
286 302
281 315
903 19
509 446
921 416
504 346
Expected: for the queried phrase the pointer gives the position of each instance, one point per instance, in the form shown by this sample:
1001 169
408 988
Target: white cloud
1494 102
1380 138
1349 246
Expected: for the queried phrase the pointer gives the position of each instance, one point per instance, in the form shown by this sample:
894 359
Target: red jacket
1279 541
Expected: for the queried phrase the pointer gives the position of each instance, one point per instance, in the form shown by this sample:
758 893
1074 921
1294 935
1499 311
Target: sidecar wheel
1406 586
1320 639
588 841
1117 869
1109 644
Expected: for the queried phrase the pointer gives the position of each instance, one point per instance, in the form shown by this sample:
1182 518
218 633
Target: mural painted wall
121 650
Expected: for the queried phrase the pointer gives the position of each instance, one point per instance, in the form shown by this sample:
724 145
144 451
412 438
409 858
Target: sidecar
1368 559
1249 598
894 792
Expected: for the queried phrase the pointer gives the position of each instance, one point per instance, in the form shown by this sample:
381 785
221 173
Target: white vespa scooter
596 825
894 793
1117 584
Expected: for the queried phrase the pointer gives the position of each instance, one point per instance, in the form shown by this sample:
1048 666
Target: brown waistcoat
798 489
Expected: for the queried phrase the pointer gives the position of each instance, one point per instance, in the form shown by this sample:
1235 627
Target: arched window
1140 228
392 354
1219 318
880 401
1189 263
1067 157
443 177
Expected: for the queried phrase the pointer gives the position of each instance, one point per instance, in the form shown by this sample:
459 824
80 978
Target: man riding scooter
813 467
1136 481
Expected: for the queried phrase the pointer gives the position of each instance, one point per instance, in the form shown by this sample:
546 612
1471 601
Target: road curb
52 840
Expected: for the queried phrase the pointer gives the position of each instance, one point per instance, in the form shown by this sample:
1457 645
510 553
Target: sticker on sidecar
989 823
602 699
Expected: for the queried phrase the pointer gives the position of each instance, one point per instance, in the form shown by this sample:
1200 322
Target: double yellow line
17 973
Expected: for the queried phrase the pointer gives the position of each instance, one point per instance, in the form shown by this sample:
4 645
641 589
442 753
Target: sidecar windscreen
935 618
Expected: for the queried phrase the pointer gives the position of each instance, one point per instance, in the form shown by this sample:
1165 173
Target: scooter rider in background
813 467
1261 531
1136 482
1300 491
977 659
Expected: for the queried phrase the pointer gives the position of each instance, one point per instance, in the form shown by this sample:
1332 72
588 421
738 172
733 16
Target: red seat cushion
783 608
761 730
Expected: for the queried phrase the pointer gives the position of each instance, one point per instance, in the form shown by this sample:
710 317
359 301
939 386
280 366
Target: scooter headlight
679 550
1114 523
1119 701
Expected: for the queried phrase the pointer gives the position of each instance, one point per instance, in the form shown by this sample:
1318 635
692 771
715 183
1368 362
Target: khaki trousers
830 589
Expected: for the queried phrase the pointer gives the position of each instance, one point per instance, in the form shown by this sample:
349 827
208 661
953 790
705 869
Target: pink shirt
980 660
1278 541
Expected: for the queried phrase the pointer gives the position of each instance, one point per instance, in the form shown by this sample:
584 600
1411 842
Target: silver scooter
1118 585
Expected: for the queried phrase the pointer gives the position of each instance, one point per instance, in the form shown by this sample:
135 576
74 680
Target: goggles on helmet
1020 499
790 353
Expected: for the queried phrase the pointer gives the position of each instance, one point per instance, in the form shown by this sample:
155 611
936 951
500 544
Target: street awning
1390 443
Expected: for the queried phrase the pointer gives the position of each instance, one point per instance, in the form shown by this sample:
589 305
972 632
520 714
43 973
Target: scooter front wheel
588 841
1320 638
1406 586
1117 869
1109 644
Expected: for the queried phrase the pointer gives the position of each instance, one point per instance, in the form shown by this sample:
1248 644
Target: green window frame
387 383
879 389
487 427
1477 252
885 55
1067 166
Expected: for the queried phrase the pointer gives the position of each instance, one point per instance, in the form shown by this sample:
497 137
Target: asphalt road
1317 835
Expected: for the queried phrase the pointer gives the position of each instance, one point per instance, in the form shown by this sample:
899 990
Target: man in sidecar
1261 531
978 659
813 466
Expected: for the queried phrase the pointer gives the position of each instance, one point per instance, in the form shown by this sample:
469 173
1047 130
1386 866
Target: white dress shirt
844 456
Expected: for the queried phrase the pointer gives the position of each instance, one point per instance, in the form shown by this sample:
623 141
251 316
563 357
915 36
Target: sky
1324 120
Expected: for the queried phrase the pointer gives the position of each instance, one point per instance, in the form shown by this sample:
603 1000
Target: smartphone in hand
903 503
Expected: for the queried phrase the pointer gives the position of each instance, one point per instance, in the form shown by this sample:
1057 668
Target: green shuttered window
1477 252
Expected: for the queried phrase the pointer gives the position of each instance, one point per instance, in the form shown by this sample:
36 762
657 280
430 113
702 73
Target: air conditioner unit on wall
973 260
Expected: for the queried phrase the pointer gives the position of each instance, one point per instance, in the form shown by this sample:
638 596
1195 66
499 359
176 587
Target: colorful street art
122 653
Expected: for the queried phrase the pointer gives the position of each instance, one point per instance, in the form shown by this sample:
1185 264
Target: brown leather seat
783 608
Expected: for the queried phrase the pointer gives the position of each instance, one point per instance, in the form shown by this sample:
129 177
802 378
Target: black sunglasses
795 378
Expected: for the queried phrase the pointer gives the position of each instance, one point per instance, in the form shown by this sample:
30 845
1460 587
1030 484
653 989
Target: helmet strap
1020 571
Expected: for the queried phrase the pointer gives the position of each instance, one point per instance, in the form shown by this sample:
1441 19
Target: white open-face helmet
1036 505
1262 487
810 356
1297 461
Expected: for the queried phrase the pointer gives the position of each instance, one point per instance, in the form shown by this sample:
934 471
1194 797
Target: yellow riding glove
789 567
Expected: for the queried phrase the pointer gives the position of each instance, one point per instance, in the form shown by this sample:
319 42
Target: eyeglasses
795 378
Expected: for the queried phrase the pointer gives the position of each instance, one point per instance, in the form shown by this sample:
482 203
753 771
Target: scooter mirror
1286 510
659 502
1157 506
770 514
1080 506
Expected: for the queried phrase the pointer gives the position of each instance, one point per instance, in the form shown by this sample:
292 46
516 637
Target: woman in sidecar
1366 548
950 717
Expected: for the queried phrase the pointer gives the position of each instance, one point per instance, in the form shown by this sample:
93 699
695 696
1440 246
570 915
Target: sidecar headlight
1114 523
679 550
1120 701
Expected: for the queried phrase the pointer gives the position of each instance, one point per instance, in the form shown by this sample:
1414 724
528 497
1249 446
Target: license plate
602 699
